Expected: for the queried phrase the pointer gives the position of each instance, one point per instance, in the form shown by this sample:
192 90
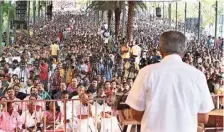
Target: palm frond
6 8
140 5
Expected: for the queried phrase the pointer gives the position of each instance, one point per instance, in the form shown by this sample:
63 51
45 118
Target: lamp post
1 17
163 10
176 17
199 22
28 19
169 10
216 18
185 17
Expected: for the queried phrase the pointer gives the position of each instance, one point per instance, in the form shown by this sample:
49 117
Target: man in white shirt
170 96
31 118
15 71
136 52
69 112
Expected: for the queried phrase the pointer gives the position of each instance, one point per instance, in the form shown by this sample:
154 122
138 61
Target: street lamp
1 18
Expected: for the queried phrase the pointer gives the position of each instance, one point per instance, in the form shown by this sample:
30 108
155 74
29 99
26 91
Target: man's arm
137 115
206 104
137 96
203 118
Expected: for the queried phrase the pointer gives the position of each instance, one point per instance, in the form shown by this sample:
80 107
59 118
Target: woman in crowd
53 116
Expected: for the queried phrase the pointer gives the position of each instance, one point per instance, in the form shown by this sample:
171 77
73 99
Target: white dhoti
86 125
109 125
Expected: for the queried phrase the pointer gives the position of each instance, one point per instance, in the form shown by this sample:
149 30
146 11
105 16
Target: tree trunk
38 11
131 5
123 22
117 22
109 15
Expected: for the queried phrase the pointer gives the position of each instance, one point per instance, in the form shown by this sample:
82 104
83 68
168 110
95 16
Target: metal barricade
92 115
218 100
74 115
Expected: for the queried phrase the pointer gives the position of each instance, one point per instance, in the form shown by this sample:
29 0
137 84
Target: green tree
207 11
133 5
103 6
6 8
116 7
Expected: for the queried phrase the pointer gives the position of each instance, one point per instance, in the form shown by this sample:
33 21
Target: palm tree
120 5
117 7
6 8
133 5
103 6
8 11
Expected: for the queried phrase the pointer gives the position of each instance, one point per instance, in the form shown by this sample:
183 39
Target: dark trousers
138 128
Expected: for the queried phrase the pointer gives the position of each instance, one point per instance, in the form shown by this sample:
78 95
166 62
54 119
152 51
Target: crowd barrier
76 120
218 99
65 126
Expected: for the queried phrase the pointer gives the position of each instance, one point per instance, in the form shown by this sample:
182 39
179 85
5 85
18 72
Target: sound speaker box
158 12
49 10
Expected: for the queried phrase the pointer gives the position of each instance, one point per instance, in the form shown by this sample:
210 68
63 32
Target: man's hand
23 126
105 115
203 117
17 129
137 115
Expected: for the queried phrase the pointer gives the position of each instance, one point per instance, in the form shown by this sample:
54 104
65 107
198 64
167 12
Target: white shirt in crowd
26 89
106 26
85 125
38 103
110 124
171 94
136 50
68 109
16 71
31 120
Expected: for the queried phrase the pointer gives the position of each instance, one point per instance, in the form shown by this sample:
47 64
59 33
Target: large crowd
72 58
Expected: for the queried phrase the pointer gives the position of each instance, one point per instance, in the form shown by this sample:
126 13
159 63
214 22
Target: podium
215 122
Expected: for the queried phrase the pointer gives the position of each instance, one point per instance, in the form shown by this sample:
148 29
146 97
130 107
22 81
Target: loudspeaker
158 12
49 10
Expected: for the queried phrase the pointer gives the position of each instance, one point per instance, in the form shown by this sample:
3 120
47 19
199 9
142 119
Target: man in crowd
10 119
55 50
